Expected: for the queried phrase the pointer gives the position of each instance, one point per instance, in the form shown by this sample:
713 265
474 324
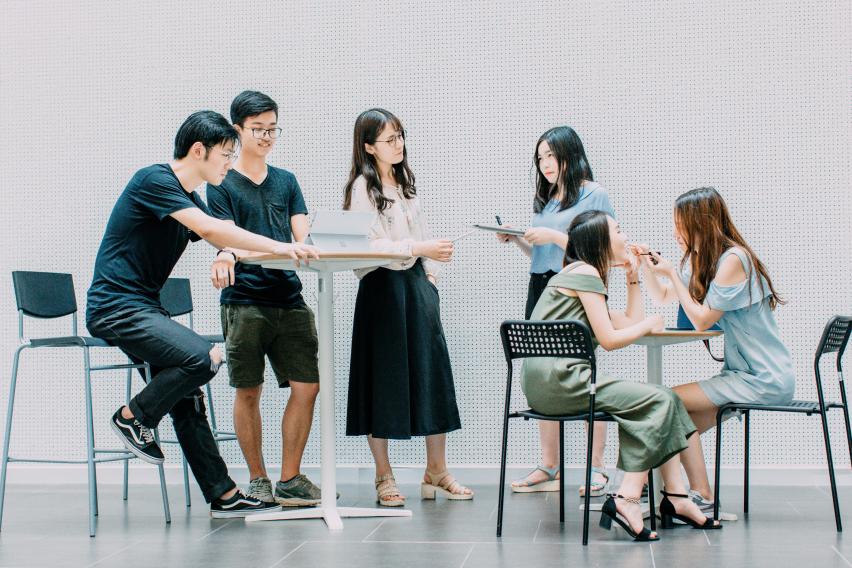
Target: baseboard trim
33 474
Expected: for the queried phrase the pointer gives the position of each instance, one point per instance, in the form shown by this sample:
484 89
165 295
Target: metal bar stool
49 295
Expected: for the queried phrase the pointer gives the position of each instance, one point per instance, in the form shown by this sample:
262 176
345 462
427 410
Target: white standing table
654 343
325 267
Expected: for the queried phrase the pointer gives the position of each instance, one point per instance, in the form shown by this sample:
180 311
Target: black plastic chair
176 299
48 295
834 339
566 339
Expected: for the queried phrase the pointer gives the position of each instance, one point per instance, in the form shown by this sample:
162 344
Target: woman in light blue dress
722 281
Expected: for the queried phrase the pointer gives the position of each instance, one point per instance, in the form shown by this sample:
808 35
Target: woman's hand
641 252
505 237
660 265
656 322
631 269
545 236
438 249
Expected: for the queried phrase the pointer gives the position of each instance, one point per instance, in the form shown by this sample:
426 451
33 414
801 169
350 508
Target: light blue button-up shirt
549 257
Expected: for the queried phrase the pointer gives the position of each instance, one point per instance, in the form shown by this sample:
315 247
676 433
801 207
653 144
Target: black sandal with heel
667 513
609 513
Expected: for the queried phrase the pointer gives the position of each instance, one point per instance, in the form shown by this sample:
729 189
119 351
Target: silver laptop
342 231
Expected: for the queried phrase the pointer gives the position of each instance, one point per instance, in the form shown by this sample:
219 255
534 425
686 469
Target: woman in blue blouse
565 187
722 281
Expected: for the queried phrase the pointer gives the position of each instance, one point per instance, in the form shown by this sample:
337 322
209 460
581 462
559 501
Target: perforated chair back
176 297
44 294
835 337
566 338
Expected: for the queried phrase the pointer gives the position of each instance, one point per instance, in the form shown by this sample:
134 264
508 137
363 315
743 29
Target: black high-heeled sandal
609 513
667 513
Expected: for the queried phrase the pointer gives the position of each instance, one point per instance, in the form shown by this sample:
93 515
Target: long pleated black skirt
400 380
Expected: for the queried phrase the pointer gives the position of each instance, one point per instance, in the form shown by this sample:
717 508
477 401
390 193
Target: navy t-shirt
141 244
264 209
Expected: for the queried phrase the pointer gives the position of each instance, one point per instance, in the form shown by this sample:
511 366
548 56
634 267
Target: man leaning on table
155 217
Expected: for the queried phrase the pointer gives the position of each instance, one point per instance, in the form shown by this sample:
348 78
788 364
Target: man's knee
204 365
304 392
249 396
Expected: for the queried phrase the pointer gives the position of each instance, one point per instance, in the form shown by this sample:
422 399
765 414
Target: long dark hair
368 126
573 166
707 229
588 241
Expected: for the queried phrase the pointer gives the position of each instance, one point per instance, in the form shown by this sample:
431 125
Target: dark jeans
538 282
180 364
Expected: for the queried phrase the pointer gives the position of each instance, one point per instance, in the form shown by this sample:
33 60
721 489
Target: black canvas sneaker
137 438
240 505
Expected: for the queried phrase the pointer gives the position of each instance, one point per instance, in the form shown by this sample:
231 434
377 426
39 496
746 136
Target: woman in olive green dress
653 425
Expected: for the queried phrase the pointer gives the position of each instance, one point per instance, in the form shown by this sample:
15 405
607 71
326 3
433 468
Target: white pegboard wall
751 98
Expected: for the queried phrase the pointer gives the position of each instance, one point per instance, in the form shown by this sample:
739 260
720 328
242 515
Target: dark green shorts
286 336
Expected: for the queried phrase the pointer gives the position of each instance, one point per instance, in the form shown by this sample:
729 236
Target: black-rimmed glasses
271 132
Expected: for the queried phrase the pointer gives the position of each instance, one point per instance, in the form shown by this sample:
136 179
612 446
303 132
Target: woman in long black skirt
400 380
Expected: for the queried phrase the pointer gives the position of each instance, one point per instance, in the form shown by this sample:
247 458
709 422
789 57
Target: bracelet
232 253
632 283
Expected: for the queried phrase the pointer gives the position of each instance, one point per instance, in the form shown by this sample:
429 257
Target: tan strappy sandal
446 485
386 488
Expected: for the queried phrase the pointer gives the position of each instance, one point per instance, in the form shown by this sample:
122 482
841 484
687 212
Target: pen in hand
653 260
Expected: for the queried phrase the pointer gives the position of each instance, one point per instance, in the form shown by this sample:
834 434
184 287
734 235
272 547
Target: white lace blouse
396 228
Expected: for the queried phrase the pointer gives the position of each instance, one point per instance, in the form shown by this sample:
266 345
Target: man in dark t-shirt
263 313
153 220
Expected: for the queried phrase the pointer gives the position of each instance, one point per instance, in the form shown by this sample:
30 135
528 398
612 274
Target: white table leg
326 370
328 509
655 377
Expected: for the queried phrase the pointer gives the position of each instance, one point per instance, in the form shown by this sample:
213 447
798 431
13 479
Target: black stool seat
532 414
70 341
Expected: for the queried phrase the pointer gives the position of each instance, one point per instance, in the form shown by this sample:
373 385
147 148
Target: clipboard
500 229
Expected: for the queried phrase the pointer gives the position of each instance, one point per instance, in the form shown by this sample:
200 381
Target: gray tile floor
47 527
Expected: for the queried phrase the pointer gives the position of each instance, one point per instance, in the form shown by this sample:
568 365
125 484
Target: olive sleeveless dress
653 424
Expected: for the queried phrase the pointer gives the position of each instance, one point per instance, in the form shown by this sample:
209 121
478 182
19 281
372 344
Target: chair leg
651 497
589 443
90 444
212 412
502 488
127 391
163 491
746 430
831 471
7 436
846 418
718 468
186 496
561 471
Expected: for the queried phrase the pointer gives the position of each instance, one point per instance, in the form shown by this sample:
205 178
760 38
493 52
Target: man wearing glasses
155 217
263 313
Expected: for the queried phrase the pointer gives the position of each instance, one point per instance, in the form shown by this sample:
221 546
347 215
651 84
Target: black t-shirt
141 244
264 209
